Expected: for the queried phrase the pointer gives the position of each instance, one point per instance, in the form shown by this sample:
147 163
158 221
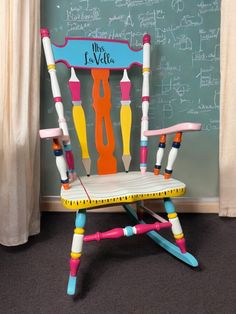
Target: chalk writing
185 50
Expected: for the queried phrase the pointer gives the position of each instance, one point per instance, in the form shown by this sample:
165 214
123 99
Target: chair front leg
76 250
176 226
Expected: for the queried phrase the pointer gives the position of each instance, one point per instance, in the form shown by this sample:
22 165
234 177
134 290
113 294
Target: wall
184 80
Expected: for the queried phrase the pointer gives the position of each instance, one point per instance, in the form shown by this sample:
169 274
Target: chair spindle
58 100
172 155
125 119
145 102
61 163
160 154
79 119
106 163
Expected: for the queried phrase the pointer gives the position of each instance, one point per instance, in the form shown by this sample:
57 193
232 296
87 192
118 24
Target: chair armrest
181 127
56 134
51 133
177 129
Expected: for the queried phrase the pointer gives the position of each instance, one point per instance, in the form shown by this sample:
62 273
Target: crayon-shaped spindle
79 119
145 102
172 155
160 154
125 119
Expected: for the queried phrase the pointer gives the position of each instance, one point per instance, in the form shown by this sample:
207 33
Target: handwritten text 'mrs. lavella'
97 56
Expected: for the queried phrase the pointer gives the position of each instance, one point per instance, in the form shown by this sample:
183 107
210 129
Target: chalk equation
185 49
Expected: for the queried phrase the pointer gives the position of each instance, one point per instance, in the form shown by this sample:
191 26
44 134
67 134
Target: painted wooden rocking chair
109 187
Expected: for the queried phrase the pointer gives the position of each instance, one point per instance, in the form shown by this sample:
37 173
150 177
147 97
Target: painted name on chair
98 55
91 53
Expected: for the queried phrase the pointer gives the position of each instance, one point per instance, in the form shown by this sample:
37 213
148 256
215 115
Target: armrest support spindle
61 163
173 155
160 154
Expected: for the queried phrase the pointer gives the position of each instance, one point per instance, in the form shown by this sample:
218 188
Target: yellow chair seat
97 190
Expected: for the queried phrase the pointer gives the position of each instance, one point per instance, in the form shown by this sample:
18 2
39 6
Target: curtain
228 109
19 120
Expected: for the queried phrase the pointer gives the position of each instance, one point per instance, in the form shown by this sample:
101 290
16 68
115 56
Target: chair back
100 56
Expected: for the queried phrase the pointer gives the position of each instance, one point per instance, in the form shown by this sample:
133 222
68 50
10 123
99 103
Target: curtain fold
228 109
19 120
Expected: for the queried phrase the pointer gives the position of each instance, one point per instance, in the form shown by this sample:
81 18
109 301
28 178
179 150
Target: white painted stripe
120 185
176 227
77 243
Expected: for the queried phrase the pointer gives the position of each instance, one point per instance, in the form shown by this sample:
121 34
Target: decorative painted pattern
106 163
123 188
125 119
97 53
79 119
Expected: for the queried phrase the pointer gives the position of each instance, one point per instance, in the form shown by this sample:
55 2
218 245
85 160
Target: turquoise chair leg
165 244
76 250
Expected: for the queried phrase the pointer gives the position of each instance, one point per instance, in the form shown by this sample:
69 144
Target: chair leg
76 250
140 211
176 226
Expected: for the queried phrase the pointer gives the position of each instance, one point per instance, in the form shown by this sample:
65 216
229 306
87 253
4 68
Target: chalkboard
184 86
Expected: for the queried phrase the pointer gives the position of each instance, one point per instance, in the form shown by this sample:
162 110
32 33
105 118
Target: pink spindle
127 231
144 228
111 234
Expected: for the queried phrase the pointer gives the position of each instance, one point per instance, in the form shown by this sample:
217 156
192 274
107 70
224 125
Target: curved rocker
165 244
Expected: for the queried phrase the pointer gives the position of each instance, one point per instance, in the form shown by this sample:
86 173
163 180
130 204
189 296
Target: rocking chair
109 187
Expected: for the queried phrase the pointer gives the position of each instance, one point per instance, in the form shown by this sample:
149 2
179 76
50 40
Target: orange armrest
181 127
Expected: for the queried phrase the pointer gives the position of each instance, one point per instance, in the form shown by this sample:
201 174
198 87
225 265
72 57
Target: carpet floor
128 275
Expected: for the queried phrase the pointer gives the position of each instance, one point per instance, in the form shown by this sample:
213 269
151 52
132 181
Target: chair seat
97 190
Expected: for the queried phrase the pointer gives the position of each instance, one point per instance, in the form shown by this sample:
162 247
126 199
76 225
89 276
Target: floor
128 275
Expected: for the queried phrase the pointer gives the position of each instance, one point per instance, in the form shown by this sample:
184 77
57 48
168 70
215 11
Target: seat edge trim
82 204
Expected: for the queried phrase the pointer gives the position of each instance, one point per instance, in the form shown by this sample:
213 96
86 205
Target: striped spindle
172 155
57 99
79 119
176 226
125 118
76 250
61 163
127 231
145 102
160 154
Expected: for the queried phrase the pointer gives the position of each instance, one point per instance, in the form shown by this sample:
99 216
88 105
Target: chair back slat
89 53
106 163
101 56
79 120
125 119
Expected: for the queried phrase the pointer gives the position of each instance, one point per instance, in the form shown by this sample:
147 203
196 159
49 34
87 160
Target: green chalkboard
184 80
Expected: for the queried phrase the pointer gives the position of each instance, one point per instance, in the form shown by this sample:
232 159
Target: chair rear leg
140 211
76 250
176 226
